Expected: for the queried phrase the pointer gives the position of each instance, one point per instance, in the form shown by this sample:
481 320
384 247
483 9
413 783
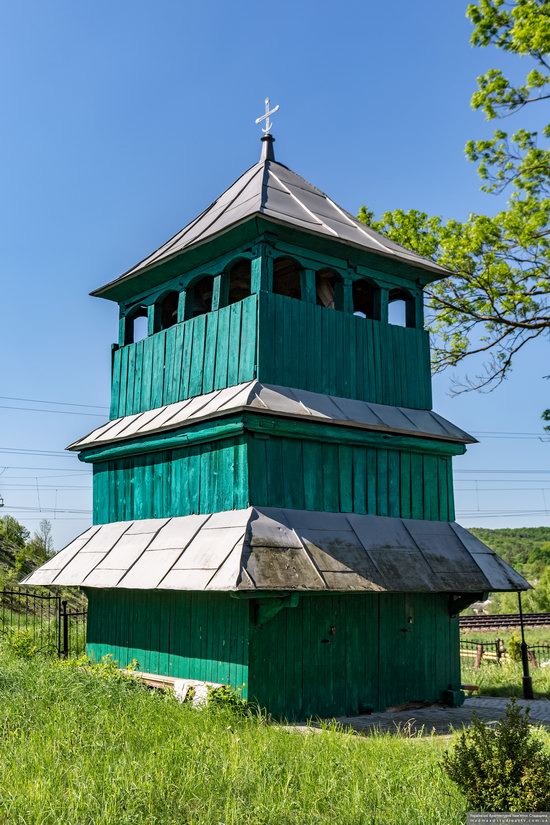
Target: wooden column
308 286
181 305
151 319
220 292
347 299
121 329
417 313
261 279
382 299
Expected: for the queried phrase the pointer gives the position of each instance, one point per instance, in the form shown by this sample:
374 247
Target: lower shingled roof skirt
272 549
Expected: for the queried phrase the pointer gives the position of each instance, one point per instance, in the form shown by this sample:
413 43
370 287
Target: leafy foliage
497 300
21 642
501 768
19 553
528 550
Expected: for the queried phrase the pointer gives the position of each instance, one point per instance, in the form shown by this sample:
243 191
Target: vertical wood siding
312 475
204 478
307 346
299 345
341 654
186 635
210 352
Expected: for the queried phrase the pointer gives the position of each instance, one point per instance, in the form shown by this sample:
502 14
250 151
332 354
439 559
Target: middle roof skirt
253 396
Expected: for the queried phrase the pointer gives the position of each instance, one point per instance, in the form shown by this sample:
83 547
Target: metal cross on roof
268 112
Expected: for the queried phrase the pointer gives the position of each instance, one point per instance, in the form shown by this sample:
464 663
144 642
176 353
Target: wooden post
261 277
479 656
181 305
347 296
220 292
121 329
308 286
151 319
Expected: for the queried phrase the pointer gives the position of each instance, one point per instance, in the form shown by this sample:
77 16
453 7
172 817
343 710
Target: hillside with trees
527 549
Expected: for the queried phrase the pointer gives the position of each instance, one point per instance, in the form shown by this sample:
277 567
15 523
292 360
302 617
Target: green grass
82 750
506 679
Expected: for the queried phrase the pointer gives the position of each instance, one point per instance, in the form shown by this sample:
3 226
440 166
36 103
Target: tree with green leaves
497 300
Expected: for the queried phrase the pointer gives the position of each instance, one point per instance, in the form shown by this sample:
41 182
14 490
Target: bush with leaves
501 768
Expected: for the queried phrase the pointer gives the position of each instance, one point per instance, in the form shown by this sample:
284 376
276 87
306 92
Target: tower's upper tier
273 191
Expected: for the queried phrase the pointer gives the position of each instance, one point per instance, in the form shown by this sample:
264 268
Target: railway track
504 620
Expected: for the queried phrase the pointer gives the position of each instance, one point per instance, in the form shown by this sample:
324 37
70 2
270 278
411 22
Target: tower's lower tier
317 655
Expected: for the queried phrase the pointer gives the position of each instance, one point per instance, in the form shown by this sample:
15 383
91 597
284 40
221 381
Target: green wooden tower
273 496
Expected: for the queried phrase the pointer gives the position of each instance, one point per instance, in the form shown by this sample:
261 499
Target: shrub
514 647
225 696
501 768
106 669
21 642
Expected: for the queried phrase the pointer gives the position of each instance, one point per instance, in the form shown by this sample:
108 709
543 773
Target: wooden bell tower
273 497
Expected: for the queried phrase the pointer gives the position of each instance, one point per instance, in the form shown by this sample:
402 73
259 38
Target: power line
53 469
58 412
48 453
49 487
56 403
17 509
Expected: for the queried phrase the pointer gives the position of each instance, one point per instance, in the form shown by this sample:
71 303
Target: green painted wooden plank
417 486
169 355
430 487
359 480
197 355
450 491
394 502
185 374
210 351
293 474
115 383
382 504
147 378
138 375
372 482
157 383
330 478
234 343
443 499
345 466
122 407
222 349
248 342
178 356
405 485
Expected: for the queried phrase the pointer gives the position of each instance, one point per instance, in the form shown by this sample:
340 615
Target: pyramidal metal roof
267 548
272 190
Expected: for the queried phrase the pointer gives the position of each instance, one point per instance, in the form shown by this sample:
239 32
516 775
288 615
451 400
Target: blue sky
120 121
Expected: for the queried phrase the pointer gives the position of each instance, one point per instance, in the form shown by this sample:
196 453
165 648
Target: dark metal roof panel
268 548
271 189
254 396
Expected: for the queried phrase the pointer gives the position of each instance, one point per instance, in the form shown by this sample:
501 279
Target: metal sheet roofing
284 401
266 548
274 191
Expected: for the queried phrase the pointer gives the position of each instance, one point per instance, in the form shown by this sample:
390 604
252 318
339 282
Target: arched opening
328 289
166 310
287 278
199 297
401 308
135 325
239 281
365 296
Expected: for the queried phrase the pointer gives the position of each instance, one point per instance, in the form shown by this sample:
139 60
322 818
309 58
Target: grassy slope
83 751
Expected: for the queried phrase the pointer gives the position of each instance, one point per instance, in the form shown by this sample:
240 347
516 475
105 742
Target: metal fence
473 652
48 622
